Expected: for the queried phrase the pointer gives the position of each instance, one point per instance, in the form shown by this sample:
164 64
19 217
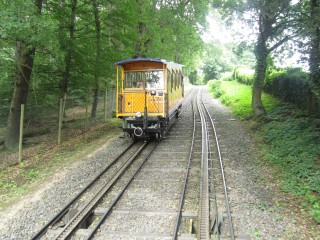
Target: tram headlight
138 115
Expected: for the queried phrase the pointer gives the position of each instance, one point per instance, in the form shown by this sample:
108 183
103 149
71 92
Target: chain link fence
41 115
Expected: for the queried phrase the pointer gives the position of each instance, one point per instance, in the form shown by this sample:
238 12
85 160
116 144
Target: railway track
154 190
81 204
221 225
205 204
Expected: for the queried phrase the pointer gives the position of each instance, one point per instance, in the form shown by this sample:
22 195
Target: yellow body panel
132 100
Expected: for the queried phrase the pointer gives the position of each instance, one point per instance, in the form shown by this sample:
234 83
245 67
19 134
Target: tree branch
278 44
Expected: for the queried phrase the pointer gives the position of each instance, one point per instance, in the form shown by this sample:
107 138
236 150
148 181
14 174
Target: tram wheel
134 138
157 136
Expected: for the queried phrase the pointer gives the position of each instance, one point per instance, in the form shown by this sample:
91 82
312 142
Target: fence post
105 105
21 132
60 120
87 103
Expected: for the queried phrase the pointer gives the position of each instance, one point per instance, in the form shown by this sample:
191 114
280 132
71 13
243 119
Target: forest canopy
58 48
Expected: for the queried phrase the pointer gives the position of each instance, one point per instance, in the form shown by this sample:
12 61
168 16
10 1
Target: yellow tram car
149 94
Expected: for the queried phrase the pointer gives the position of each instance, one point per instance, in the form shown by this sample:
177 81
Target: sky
217 31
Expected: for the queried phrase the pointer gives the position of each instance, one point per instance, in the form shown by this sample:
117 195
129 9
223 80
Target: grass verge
289 140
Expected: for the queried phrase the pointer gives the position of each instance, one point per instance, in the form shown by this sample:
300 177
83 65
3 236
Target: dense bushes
291 85
289 140
293 138
214 87
288 84
243 75
227 76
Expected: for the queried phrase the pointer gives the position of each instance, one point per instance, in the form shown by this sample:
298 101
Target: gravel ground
24 218
259 210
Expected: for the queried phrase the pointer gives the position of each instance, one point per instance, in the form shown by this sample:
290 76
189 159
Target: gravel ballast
23 219
259 209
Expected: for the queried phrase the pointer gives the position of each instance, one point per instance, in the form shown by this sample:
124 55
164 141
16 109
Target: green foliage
238 97
194 78
31 174
169 26
245 54
290 141
289 84
293 138
8 185
218 58
275 75
214 87
210 72
315 211
227 76
226 100
162 28
256 233
243 75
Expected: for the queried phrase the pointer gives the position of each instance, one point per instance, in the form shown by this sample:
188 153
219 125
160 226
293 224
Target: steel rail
115 201
76 221
176 228
231 229
187 101
59 215
64 211
204 220
212 190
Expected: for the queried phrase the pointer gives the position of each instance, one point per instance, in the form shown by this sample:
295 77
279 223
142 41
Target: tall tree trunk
96 89
143 43
314 62
69 51
139 51
260 72
24 57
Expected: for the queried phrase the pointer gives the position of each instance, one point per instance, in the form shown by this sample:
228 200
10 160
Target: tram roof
146 59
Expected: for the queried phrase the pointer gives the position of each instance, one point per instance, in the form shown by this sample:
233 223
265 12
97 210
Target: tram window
134 80
171 81
150 80
176 80
179 79
168 81
154 79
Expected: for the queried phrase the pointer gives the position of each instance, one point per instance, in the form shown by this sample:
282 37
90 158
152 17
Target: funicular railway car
149 94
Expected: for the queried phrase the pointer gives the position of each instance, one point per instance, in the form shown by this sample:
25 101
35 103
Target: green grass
289 140
238 97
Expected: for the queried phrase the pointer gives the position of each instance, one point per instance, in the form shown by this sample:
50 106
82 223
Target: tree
314 33
218 58
273 21
194 77
275 25
69 48
96 89
25 51
169 29
210 71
